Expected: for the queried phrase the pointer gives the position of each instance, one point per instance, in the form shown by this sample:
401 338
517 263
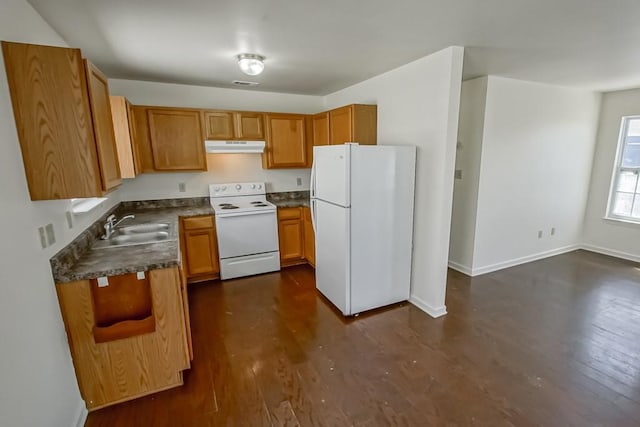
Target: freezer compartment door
332 254
332 174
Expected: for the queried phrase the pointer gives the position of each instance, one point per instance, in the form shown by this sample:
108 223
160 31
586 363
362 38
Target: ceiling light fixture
251 64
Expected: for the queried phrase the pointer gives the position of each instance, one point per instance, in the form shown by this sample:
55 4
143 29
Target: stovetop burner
228 206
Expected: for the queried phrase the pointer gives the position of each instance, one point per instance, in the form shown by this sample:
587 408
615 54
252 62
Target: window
624 199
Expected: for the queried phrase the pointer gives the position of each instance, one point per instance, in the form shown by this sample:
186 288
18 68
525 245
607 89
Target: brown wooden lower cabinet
290 236
200 248
140 362
309 237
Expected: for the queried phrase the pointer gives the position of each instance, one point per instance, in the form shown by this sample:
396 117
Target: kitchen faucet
111 224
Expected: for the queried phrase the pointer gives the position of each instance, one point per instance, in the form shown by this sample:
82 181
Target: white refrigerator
362 212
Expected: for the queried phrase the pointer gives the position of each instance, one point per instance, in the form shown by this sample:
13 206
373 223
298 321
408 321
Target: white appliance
247 228
362 212
220 147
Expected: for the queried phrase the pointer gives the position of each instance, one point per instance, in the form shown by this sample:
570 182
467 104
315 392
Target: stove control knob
238 187
224 187
253 186
216 189
259 186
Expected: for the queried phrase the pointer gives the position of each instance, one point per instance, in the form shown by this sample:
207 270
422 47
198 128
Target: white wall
610 237
38 386
468 154
222 167
418 105
537 151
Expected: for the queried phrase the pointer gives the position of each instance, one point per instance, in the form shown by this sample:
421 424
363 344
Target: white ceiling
319 46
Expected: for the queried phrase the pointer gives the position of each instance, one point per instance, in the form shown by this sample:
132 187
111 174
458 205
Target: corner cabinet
128 339
286 141
63 117
176 138
353 123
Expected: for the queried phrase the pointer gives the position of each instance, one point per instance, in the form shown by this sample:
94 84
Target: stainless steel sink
144 228
138 234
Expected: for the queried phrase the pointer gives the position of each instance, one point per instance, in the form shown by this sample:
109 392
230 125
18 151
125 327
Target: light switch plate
299 181
69 216
458 174
140 275
43 237
182 187
103 281
51 234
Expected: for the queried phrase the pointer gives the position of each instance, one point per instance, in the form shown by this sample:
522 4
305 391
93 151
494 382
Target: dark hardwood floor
554 343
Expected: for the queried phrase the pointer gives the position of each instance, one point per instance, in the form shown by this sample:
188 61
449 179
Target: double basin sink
138 234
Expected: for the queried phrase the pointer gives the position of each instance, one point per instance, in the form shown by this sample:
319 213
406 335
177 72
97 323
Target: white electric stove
247 228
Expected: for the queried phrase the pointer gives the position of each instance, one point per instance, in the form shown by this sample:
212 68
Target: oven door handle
232 215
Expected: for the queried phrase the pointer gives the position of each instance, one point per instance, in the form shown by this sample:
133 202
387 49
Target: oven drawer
247 233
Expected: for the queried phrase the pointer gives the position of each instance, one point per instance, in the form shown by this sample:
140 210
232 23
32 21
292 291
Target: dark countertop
291 199
92 263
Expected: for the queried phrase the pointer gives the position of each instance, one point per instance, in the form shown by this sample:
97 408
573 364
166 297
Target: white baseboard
522 260
428 308
610 252
81 415
459 267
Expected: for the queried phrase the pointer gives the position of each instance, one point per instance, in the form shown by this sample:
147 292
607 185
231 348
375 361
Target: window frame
617 172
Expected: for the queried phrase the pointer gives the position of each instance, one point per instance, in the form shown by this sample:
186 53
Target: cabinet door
176 139
53 120
103 127
286 141
320 123
290 234
120 109
219 125
309 237
201 252
340 129
141 141
250 126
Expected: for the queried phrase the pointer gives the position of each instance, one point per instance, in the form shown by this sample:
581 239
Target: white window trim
615 174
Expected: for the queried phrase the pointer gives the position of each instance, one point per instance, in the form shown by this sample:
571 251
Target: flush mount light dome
251 64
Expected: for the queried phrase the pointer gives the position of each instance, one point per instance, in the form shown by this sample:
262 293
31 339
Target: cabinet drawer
198 222
289 213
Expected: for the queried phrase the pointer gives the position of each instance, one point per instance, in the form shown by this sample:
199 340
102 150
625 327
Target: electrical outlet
69 216
299 181
51 234
539 234
553 231
182 187
458 174
43 237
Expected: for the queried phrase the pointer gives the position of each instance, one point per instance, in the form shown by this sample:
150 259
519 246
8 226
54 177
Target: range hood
220 147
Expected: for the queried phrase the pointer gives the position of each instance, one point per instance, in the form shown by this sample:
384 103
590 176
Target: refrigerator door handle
313 179
313 216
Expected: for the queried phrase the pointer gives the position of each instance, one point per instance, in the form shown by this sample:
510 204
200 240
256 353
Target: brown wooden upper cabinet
353 123
234 125
121 112
286 141
177 140
63 117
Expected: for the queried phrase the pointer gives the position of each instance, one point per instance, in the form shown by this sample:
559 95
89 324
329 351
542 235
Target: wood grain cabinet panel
124 369
98 88
320 132
52 112
309 237
177 141
200 248
353 123
286 142
249 126
219 125
141 141
123 128
290 236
